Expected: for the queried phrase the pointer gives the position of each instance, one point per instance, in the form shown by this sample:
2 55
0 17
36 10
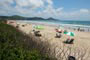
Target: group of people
58 35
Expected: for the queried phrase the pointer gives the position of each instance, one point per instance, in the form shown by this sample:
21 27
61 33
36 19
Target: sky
59 9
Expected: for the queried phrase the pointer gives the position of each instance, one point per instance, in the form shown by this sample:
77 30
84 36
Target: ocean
64 23
61 22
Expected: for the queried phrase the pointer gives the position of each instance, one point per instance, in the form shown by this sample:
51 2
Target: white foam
52 23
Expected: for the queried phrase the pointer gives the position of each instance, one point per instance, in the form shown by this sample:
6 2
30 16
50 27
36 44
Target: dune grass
13 45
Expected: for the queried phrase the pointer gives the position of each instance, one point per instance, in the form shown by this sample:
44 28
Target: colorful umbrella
58 30
70 33
65 32
39 27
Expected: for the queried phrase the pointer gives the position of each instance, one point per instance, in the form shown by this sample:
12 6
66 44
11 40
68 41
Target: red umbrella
58 30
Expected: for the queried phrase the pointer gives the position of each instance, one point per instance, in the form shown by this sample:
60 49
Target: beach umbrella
58 30
39 27
65 32
70 34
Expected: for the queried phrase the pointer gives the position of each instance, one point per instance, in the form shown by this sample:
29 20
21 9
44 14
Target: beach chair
71 58
69 41
58 35
66 41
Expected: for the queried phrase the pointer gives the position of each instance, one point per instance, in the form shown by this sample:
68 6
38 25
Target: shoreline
82 39
65 26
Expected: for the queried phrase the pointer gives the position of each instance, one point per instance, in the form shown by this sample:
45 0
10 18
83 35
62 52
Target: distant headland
17 17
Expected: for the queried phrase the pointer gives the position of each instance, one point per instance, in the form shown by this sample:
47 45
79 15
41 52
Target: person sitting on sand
59 30
37 33
58 35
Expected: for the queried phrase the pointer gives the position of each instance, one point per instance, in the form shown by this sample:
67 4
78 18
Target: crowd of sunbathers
58 35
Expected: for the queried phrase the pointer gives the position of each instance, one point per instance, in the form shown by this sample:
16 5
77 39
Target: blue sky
60 9
69 4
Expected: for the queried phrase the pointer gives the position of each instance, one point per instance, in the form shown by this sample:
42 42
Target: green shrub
12 45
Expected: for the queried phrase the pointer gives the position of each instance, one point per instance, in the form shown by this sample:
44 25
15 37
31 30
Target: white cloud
49 2
79 14
84 10
30 8
30 3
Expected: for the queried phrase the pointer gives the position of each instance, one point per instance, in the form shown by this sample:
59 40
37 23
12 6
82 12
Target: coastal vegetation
14 45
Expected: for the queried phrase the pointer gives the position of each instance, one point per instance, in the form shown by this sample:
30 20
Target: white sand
82 39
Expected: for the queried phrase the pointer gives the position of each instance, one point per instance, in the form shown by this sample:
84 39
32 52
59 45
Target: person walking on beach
78 29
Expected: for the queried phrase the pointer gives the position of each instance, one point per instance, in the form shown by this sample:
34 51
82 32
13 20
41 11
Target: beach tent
40 27
70 34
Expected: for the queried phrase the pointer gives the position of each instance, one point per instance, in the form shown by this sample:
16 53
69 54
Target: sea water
65 23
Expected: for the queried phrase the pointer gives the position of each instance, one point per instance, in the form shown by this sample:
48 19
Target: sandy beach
81 42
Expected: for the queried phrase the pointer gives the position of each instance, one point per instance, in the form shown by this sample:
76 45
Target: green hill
17 17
